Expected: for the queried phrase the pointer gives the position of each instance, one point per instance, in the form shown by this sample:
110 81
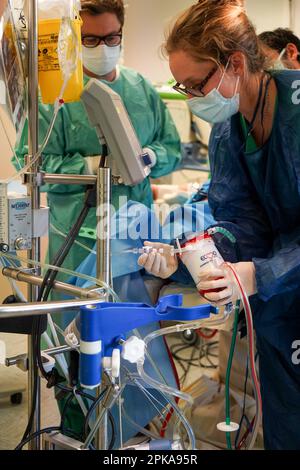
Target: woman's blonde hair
215 29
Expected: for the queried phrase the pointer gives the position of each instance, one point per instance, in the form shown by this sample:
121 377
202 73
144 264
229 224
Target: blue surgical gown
257 198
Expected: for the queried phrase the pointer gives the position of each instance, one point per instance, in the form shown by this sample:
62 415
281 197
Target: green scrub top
255 157
73 139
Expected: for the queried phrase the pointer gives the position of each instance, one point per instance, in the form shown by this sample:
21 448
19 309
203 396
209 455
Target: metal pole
49 178
103 226
69 179
39 308
68 289
104 182
33 190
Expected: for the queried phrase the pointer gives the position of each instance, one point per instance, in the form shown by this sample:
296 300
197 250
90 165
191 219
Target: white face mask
102 59
278 64
214 107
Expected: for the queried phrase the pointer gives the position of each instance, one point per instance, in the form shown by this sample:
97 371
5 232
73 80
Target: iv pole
33 191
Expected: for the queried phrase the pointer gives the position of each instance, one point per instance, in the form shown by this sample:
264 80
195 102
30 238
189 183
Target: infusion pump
15 220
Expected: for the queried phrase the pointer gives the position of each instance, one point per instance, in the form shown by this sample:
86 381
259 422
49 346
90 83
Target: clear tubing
155 367
152 400
139 428
63 235
176 329
53 331
120 415
57 106
136 379
184 421
68 272
179 413
60 359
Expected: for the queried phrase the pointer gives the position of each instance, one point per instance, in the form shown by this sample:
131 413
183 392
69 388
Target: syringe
150 249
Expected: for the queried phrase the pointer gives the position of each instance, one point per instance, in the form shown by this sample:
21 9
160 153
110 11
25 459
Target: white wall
269 14
295 16
147 20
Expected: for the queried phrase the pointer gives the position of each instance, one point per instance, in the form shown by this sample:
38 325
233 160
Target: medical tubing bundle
251 352
57 106
179 412
183 420
164 389
228 372
176 329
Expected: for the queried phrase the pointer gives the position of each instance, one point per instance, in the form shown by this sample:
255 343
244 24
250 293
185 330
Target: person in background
281 48
217 61
74 146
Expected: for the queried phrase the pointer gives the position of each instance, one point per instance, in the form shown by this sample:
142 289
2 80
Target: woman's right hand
161 261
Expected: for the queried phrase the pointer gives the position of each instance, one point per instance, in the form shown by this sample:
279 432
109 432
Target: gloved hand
222 280
161 265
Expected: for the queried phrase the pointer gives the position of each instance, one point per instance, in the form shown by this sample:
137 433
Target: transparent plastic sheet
68 272
52 9
68 50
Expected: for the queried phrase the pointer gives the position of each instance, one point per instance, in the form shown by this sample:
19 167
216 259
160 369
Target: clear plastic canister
203 255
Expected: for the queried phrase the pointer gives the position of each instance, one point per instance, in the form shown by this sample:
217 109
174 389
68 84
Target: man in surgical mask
74 147
281 48
101 41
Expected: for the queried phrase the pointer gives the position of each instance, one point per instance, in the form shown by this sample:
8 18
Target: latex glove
161 265
222 280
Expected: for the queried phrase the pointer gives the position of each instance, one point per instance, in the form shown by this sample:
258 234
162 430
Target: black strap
263 107
256 109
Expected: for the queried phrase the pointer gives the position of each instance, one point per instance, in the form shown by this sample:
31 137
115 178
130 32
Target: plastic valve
133 350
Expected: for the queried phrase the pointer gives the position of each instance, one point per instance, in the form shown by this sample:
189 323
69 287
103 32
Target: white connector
133 350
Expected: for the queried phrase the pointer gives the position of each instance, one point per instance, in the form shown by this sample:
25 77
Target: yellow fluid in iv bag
51 77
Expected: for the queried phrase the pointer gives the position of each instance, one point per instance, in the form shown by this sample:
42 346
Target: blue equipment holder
104 325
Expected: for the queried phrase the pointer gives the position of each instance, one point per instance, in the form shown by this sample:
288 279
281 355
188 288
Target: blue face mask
214 107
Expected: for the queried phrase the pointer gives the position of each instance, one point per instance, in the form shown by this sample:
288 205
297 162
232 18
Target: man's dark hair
279 39
98 7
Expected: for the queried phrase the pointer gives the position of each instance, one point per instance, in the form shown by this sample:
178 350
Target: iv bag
53 9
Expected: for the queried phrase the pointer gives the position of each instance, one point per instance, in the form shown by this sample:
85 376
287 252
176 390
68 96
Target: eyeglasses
110 40
197 89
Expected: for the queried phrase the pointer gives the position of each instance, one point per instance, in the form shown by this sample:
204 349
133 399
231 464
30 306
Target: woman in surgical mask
254 150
